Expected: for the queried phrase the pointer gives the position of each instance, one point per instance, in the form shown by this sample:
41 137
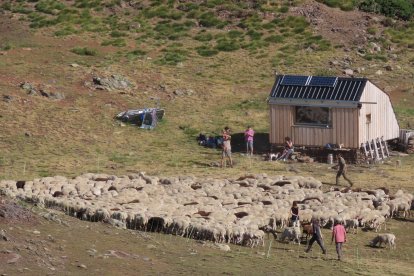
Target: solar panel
294 80
323 81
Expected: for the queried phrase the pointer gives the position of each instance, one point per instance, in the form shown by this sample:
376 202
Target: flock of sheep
237 211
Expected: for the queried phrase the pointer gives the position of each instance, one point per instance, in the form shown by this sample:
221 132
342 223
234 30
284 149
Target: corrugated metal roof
288 87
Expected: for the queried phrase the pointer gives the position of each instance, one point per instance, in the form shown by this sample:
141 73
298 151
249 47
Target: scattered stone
379 72
8 98
375 47
151 246
82 266
183 92
3 235
349 72
36 232
116 82
117 223
52 95
146 259
14 259
223 247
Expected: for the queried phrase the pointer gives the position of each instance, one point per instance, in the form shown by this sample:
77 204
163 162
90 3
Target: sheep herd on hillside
238 211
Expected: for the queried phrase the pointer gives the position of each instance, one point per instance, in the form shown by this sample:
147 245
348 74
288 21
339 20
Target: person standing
294 211
248 137
226 147
316 236
342 170
339 235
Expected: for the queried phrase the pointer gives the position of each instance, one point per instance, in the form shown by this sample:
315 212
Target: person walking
294 211
339 235
248 137
226 147
316 236
342 170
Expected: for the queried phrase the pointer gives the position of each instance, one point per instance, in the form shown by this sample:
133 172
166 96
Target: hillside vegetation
209 64
224 52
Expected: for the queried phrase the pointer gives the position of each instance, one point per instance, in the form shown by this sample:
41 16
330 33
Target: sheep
384 238
225 211
291 233
352 224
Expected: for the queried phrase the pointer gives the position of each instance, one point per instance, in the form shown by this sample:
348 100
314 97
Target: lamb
352 224
384 238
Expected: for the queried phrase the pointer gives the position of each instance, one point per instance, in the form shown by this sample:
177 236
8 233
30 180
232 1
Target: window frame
328 124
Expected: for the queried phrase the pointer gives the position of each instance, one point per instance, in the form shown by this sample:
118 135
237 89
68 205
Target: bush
136 53
206 51
209 20
403 9
117 42
227 45
203 36
84 51
275 39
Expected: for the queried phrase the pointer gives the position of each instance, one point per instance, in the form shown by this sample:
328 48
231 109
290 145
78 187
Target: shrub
209 20
275 39
206 51
84 51
203 36
227 45
117 42
136 53
172 56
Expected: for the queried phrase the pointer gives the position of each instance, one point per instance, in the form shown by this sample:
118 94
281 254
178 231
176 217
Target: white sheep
384 238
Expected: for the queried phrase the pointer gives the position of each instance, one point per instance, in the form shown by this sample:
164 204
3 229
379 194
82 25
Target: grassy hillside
209 64
225 52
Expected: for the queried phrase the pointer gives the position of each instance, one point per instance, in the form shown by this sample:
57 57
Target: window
312 115
368 116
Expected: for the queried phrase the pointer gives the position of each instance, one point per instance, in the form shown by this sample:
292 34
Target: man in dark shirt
316 236
342 170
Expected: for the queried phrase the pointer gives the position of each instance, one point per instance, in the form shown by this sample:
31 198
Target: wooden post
376 149
370 150
381 148
386 147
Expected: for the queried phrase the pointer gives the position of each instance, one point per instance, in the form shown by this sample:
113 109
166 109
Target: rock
375 47
36 232
360 70
388 67
52 95
15 257
223 247
8 98
379 72
151 246
117 223
27 134
74 65
349 72
26 86
116 82
178 92
82 266
3 235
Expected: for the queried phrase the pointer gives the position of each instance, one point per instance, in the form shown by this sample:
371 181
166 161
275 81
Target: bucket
330 158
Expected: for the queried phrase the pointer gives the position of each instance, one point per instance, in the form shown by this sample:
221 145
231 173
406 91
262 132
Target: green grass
84 51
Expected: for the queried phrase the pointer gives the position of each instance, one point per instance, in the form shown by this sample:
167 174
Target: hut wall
383 121
344 128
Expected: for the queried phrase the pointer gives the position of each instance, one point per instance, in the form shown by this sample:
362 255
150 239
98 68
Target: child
339 234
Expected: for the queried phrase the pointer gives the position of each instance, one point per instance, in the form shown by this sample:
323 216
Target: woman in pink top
339 234
248 136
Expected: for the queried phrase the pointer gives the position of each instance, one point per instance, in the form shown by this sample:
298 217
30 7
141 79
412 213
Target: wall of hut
376 116
344 129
